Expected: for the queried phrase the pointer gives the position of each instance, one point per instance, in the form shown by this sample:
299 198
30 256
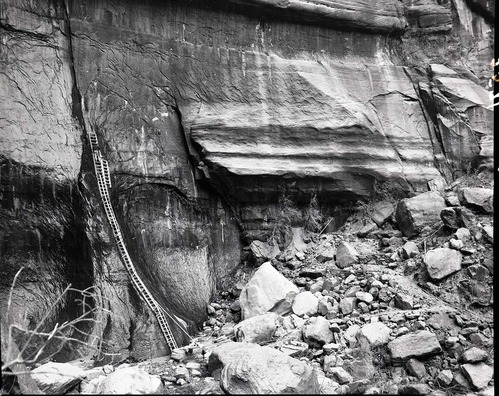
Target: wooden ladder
101 167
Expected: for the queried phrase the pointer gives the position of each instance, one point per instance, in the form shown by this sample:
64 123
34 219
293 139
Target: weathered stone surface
263 251
364 296
413 345
474 355
346 255
347 305
382 211
404 301
478 272
445 377
480 198
57 378
414 389
479 374
460 106
409 250
316 331
327 253
340 375
442 262
351 334
178 97
260 328
129 380
412 214
376 333
264 290
462 234
416 368
438 184
428 17
305 303
249 368
377 16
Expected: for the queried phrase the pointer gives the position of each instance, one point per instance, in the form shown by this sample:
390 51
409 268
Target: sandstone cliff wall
208 113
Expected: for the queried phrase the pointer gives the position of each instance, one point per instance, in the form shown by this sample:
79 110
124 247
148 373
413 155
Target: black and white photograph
206 197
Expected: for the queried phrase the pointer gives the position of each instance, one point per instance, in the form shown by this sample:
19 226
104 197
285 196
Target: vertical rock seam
101 168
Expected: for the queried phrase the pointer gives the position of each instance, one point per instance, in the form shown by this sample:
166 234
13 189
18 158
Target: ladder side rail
101 167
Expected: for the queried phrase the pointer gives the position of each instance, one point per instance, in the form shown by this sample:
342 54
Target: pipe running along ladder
104 182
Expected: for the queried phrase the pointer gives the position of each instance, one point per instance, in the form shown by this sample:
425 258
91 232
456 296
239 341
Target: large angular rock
264 290
382 211
419 344
479 198
57 378
260 328
474 355
252 369
305 303
129 380
412 214
263 251
376 334
409 250
316 332
442 262
346 255
479 374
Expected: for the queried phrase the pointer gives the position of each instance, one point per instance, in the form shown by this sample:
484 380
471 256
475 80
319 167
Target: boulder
458 217
418 344
445 378
260 328
340 375
489 233
347 305
463 234
264 290
456 244
450 218
479 198
442 262
57 378
452 198
250 369
128 380
316 332
474 355
404 301
284 306
382 211
326 254
479 374
364 296
416 368
346 255
263 251
478 272
412 214
369 227
438 184
305 303
409 250
351 334
376 334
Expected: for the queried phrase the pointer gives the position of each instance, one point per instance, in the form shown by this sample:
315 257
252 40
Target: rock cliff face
209 113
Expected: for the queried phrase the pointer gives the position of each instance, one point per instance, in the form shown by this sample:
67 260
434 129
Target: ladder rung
104 182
